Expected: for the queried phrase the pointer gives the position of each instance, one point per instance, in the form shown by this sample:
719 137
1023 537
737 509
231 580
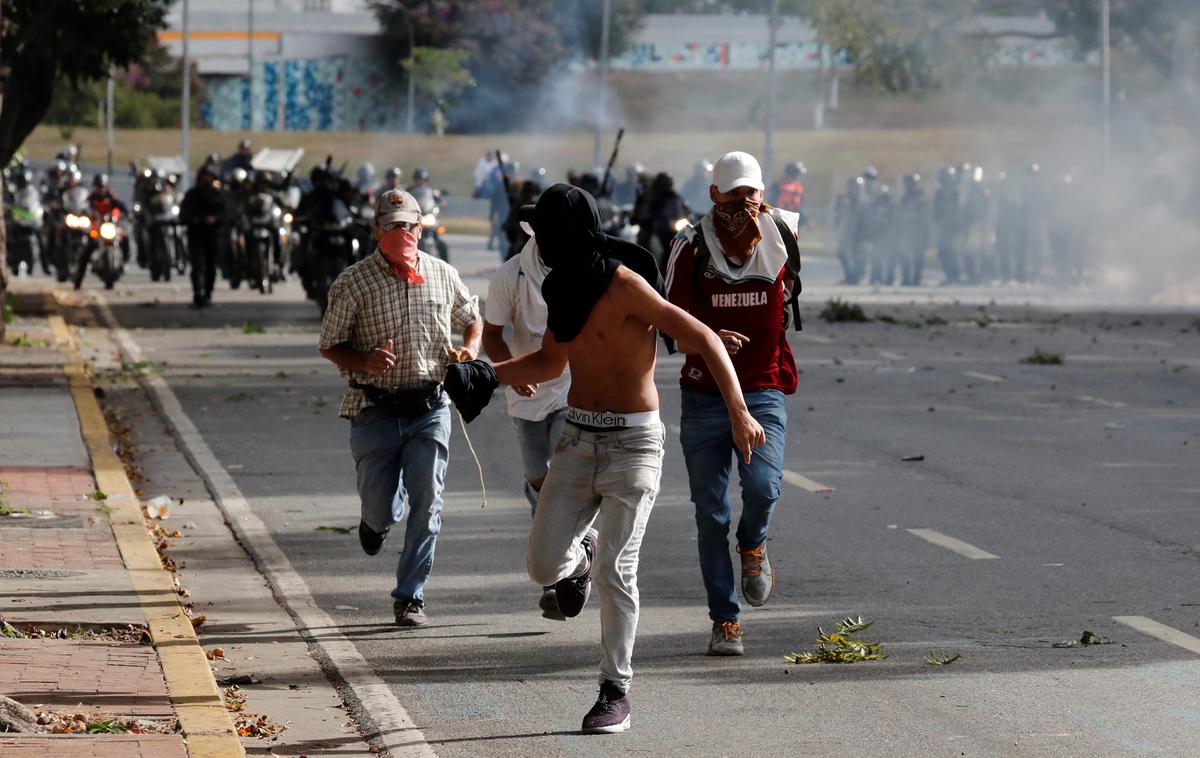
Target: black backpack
791 313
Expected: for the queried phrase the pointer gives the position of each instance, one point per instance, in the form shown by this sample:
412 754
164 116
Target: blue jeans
707 439
536 439
399 462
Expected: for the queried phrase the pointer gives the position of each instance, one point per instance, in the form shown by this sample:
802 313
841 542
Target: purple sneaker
610 714
572 593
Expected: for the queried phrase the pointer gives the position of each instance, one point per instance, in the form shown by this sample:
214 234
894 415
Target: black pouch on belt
402 403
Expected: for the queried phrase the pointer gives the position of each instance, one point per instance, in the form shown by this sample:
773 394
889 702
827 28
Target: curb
206 726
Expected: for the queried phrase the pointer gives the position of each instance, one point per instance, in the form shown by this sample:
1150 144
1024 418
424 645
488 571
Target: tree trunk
16 718
3 246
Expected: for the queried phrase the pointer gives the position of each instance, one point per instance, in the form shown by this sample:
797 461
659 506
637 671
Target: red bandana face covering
399 249
736 225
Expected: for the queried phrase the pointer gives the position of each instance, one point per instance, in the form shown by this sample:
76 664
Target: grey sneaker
726 638
548 602
758 581
408 613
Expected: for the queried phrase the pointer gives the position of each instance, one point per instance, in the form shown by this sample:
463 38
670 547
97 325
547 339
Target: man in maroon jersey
731 272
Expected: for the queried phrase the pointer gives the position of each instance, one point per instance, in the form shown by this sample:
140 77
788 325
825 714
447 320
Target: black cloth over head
582 259
470 385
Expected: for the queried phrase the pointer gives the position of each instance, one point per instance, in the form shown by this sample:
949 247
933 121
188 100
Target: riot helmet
795 170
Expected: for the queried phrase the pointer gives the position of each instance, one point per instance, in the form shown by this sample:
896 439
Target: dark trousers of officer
204 248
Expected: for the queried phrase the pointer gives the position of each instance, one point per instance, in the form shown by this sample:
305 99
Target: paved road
1050 500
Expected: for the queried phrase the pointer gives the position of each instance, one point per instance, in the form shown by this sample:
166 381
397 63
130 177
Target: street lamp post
769 136
605 18
1106 126
410 119
108 119
250 64
187 101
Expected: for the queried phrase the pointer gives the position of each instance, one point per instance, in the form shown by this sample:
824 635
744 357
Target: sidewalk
93 637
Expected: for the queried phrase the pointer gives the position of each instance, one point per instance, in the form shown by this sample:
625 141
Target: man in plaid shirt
388 329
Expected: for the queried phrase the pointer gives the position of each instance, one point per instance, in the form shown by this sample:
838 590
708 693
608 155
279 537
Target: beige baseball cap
395 206
737 169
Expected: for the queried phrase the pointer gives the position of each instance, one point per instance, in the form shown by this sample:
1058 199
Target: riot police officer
947 220
911 230
203 212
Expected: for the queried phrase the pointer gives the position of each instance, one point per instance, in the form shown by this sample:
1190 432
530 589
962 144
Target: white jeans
613 476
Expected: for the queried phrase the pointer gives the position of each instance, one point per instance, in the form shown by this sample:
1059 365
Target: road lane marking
890 355
804 483
381 712
674 429
1161 631
1100 401
950 543
816 338
985 377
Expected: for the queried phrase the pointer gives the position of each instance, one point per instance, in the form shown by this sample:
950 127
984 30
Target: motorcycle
431 241
331 248
265 236
24 232
165 235
72 233
104 250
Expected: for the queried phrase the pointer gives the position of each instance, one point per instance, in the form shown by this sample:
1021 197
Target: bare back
612 359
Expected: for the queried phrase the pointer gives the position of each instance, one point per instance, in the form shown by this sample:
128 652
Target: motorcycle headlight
108 230
429 220
174 210
287 218
681 224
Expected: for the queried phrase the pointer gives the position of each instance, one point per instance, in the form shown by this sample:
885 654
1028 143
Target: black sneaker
408 613
572 593
370 539
610 714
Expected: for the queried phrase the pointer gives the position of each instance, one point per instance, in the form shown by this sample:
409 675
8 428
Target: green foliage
838 310
439 72
9 313
252 327
98 496
114 726
1041 358
940 659
75 41
840 647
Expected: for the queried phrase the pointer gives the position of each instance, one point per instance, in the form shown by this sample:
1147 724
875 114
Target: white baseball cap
395 206
737 169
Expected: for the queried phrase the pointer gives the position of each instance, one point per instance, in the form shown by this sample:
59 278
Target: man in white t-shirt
538 411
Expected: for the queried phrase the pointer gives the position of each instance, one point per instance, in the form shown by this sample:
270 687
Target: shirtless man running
604 300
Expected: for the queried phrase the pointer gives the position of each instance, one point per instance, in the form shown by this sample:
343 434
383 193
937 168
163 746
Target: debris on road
836 310
1087 638
157 508
840 647
338 529
912 458
1041 358
940 659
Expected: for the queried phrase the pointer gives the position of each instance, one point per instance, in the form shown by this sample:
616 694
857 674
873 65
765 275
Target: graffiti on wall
317 94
